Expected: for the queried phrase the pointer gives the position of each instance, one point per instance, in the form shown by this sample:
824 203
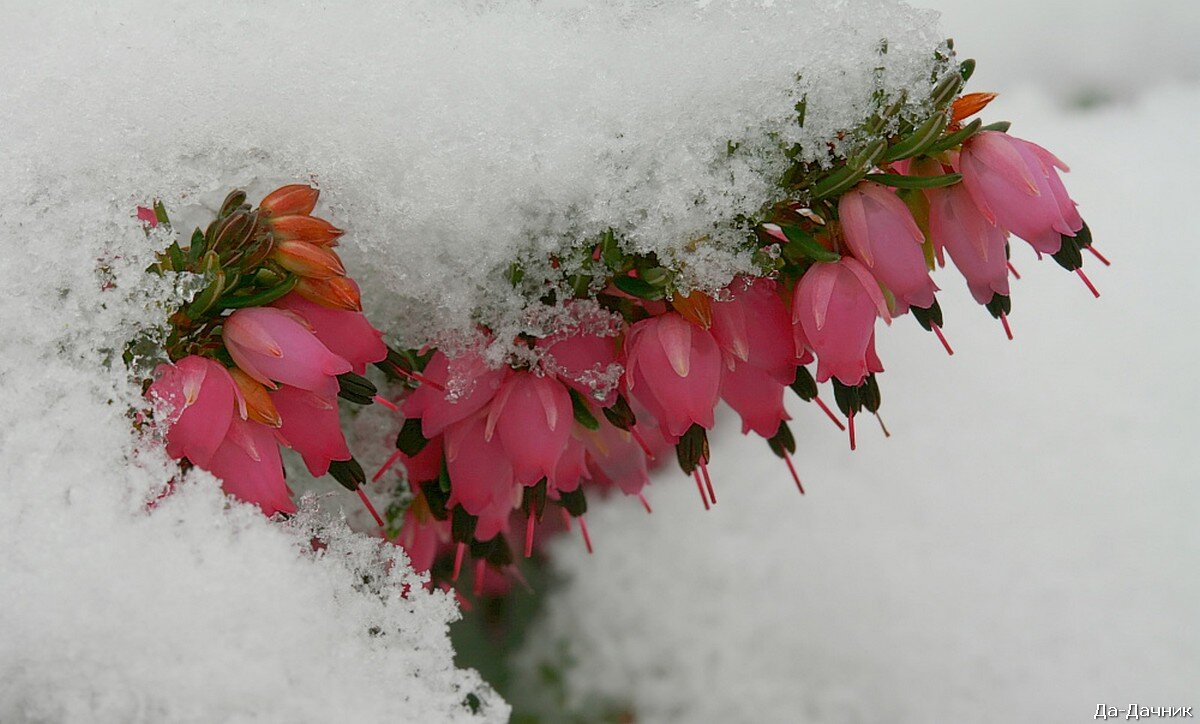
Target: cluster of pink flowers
276 378
487 450
491 450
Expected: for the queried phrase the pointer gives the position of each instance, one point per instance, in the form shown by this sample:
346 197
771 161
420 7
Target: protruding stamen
850 425
1004 321
700 487
529 535
458 558
386 466
480 572
1013 270
587 539
825 408
367 502
792 469
942 338
1098 255
1087 282
882 426
566 518
645 448
708 481
645 503
385 402
417 376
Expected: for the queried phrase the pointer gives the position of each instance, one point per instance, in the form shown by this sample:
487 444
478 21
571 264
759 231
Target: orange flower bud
695 307
304 228
969 105
289 200
335 293
258 404
308 260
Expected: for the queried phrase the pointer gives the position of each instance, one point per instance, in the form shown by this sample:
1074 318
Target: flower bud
334 293
290 200
258 404
308 260
304 228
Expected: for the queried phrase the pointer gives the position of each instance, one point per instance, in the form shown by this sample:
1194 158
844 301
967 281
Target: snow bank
453 138
1023 546
204 610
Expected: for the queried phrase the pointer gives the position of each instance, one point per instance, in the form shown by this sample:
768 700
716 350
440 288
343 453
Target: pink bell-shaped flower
882 234
311 427
275 345
757 397
753 328
615 458
837 303
673 368
460 387
532 416
250 468
346 333
976 245
480 473
422 539
1015 185
200 396
587 363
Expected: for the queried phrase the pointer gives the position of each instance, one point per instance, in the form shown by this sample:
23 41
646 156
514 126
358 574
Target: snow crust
453 138
1023 546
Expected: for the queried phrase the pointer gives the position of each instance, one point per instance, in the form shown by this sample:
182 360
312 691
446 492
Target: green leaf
1001 126
801 243
638 288
966 69
262 298
915 182
915 143
954 139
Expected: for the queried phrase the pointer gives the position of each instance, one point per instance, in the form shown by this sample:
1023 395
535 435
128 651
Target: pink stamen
792 469
1013 270
587 539
1098 255
645 503
1087 282
420 378
850 424
385 402
700 487
386 466
882 426
821 404
480 572
458 556
1004 321
367 502
708 481
645 448
566 518
529 535
942 338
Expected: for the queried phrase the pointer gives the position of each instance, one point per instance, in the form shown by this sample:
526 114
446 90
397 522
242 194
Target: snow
454 138
1023 547
449 139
